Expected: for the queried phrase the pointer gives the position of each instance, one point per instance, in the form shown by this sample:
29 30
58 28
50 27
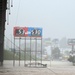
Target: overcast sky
56 17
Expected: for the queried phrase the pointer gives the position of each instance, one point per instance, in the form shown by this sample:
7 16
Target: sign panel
71 41
20 31
34 32
27 32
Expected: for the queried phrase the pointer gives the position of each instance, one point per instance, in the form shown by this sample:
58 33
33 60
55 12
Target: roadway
53 68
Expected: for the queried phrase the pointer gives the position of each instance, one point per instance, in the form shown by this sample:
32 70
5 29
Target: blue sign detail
35 32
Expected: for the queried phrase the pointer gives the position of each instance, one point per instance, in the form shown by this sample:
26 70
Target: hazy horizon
56 17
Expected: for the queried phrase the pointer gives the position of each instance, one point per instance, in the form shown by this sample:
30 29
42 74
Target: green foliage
71 59
8 55
56 53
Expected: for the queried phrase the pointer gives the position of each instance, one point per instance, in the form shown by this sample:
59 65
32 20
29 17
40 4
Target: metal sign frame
27 33
25 51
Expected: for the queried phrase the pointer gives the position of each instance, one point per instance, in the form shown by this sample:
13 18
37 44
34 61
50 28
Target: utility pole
3 4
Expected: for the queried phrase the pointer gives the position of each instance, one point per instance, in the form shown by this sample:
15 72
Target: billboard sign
71 41
34 32
27 32
20 31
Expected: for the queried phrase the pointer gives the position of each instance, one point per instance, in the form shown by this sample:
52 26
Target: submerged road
56 68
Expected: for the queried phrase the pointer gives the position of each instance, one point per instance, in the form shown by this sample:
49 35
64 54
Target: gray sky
56 17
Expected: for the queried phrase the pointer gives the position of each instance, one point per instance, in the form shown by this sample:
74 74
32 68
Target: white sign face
71 41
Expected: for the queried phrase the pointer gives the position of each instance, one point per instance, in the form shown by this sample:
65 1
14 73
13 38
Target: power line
18 12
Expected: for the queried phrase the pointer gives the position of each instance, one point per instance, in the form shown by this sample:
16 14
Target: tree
55 53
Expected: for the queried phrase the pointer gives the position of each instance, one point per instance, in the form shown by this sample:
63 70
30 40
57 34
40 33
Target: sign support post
14 53
30 51
25 53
